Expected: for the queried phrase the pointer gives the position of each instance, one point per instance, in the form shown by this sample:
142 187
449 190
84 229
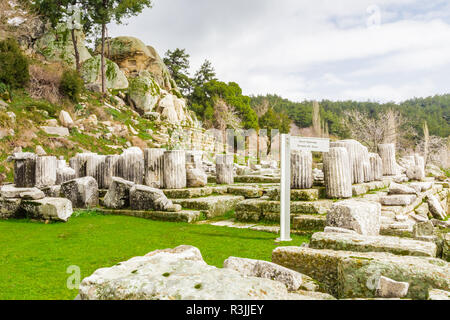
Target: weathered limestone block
83 192
398 200
337 173
309 222
24 169
10 191
360 243
338 230
66 119
435 294
52 209
154 168
347 274
361 216
52 191
212 206
387 154
263 269
165 274
249 192
196 178
64 175
174 169
9 208
396 188
367 167
148 198
377 166
118 195
296 195
421 229
388 288
301 170
355 156
224 169
436 208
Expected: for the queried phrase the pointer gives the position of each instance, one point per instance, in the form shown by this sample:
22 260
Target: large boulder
47 209
144 92
133 57
118 195
148 198
92 74
361 216
57 45
83 192
179 274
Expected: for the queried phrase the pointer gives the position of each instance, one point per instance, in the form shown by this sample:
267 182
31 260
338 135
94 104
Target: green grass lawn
34 257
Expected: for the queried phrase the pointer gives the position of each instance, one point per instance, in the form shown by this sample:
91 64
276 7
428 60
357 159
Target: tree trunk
103 59
77 53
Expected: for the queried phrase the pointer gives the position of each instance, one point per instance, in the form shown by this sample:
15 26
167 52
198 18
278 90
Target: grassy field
34 257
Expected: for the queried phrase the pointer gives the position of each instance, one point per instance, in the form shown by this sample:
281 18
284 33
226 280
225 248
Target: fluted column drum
174 169
224 169
337 173
387 154
301 170
154 167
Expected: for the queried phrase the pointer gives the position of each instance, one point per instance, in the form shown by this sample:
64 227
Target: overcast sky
383 50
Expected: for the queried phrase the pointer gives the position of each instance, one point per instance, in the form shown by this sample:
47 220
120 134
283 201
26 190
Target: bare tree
372 131
426 140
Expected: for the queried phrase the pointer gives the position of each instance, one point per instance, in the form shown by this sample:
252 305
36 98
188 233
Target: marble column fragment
337 174
154 168
24 169
131 165
387 154
301 170
78 163
46 171
355 158
174 169
225 169
377 166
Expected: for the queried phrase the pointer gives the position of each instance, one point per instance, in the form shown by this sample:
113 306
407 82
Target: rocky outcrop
91 73
59 46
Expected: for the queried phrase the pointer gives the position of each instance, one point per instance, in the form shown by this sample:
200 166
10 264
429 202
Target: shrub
45 82
13 64
71 85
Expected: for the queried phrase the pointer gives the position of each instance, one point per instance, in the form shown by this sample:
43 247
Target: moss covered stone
91 73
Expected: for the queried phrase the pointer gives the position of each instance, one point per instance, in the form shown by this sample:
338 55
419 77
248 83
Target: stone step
297 195
249 192
188 193
256 179
309 222
257 209
360 243
181 216
212 206
347 274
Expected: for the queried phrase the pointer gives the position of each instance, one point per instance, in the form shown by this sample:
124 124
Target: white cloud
308 49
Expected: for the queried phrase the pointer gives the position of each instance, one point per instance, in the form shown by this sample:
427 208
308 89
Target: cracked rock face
180 274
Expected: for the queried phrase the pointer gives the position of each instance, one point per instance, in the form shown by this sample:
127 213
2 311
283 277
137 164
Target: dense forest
434 110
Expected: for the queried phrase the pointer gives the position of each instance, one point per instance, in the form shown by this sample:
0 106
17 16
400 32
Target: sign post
289 143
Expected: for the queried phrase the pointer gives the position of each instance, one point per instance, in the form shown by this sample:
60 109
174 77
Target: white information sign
310 144
289 143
